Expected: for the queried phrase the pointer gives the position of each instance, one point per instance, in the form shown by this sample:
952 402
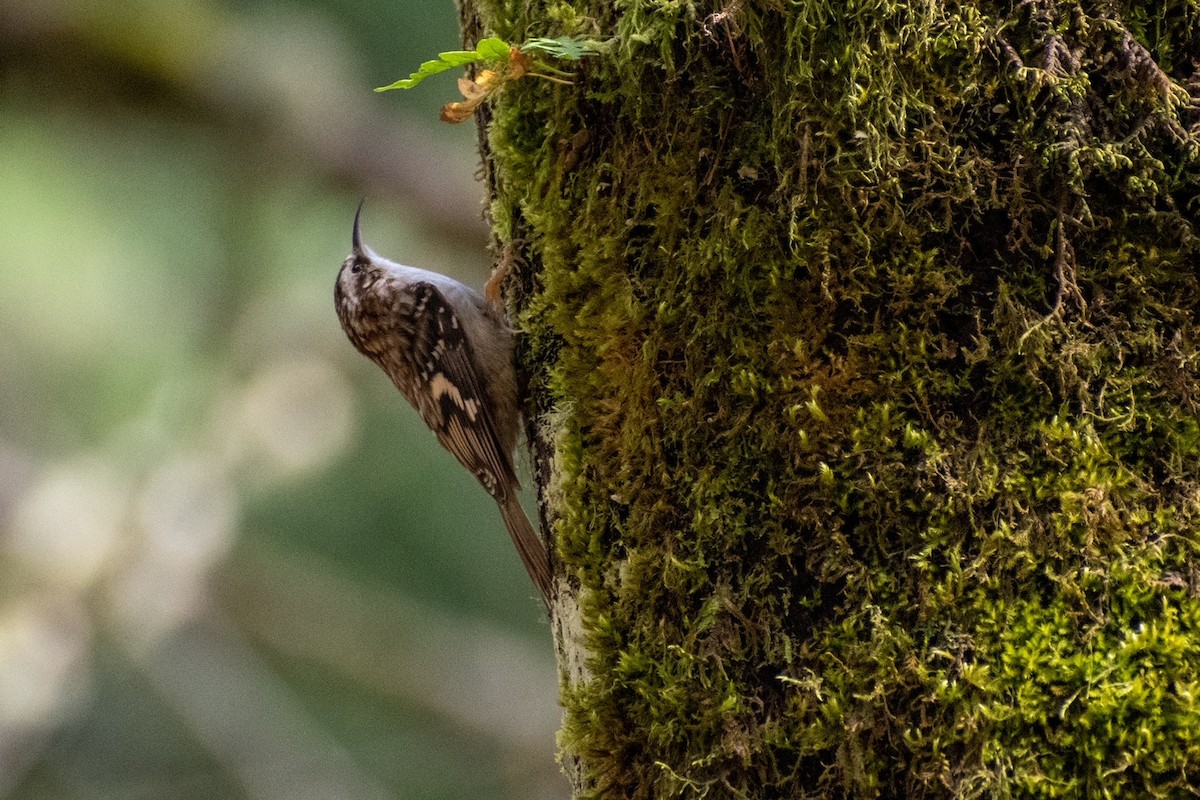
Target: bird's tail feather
529 544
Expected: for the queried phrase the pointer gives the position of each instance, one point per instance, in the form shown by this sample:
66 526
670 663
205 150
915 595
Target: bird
450 353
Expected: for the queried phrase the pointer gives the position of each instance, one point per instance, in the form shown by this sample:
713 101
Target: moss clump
872 333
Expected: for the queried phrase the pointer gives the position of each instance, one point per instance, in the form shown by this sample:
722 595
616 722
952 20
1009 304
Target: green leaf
568 48
444 61
492 49
457 58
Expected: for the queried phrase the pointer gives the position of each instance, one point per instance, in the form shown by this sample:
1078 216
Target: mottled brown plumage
451 355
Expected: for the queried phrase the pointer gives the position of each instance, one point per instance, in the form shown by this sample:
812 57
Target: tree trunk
864 391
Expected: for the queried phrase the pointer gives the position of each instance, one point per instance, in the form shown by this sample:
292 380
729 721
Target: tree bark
864 391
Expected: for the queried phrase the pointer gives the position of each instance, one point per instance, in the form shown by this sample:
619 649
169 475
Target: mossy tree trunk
863 343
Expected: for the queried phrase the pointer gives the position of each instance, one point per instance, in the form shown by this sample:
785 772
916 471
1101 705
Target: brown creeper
450 353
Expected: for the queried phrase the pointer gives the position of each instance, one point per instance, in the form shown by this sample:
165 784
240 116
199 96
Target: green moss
870 331
1113 715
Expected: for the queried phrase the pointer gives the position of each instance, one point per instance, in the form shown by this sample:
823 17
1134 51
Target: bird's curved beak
356 239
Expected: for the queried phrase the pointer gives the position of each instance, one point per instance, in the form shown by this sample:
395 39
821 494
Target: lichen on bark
862 342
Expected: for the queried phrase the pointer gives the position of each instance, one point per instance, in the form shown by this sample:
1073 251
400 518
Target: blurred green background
233 563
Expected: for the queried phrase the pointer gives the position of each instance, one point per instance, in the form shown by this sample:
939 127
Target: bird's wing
455 406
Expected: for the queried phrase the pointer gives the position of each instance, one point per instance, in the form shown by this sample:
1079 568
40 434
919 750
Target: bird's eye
356 267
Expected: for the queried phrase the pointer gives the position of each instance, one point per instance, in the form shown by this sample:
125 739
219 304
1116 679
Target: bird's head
359 272
361 291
